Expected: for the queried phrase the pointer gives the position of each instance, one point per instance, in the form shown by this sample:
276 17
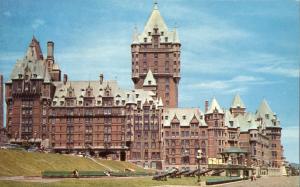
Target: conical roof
155 20
149 80
214 106
264 108
237 102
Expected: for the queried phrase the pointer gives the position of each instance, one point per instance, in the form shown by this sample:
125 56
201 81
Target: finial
155 5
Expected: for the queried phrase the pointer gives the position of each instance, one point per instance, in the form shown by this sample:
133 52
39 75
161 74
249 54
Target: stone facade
142 125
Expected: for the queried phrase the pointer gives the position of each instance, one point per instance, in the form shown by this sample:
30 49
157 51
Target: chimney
50 49
101 78
65 79
206 106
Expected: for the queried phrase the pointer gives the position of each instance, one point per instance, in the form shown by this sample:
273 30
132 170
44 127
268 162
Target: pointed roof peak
214 106
155 20
264 108
149 80
160 103
237 102
155 5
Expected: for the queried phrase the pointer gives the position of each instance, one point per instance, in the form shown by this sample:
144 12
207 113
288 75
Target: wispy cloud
37 23
7 13
236 84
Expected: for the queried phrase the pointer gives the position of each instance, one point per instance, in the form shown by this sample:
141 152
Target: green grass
107 182
120 166
21 163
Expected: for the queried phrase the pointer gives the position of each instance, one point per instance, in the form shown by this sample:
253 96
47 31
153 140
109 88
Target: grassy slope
14 163
20 163
120 166
120 182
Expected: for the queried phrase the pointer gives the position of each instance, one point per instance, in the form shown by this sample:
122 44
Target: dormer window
267 116
155 30
61 103
166 117
149 33
20 76
149 82
35 75
137 95
166 39
183 117
231 123
145 40
162 33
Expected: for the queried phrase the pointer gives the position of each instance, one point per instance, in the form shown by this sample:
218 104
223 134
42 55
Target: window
155 55
145 40
166 39
149 33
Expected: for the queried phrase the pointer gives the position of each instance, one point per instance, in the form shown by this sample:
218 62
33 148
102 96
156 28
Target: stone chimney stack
65 79
206 106
50 49
101 78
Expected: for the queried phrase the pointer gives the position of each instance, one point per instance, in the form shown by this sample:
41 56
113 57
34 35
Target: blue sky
228 46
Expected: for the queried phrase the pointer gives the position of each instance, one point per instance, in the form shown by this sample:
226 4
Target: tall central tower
157 49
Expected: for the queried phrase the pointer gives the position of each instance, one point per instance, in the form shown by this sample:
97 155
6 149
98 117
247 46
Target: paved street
262 182
267 181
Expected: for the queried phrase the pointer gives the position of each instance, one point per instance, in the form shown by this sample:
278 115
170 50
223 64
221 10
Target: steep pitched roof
155 20
32 63
264 108
184 115
214 106
149 80
237 102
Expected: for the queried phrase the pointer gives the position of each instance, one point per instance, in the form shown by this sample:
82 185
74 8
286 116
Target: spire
214 106
149 80
34 51
135 36
237 102
264 108
155 19
175 36
155 5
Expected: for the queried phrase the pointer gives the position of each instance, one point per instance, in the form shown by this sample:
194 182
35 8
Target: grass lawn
21 163
108 182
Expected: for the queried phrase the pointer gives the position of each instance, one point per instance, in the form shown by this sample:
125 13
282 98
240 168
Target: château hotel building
142 125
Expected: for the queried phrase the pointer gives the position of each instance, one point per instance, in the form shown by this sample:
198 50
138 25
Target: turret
237 107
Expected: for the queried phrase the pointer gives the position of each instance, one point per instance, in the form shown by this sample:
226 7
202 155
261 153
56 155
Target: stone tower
214 118
157 49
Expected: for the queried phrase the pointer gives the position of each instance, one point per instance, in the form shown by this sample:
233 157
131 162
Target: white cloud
37 23
236 84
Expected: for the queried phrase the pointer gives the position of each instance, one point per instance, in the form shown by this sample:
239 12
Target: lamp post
186 156
199 157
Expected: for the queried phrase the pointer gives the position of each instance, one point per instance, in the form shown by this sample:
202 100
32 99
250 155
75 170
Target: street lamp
199 157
